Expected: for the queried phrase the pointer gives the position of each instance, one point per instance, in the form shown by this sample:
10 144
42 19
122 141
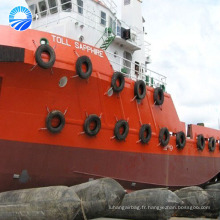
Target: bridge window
52 6
43 8
103 18
80 6
66 5
34 11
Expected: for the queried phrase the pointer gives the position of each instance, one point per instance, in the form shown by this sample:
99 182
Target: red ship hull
56 165
31 156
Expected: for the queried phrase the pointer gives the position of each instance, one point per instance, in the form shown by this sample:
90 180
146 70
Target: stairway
107 42
107 38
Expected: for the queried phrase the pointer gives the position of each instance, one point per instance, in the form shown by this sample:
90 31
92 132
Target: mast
131 14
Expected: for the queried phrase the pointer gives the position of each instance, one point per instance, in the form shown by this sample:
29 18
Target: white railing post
121 64
143 71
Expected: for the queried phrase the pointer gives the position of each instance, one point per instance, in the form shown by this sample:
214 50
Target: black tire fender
60 116
140 89
84 60
164 137
145 133
158 96
92 119
121 124
212 144
180 140
45 48
118 77
200 142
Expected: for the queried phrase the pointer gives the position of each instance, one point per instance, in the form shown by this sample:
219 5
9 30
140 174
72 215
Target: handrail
38 16
135 74
117 23
135 71
110 4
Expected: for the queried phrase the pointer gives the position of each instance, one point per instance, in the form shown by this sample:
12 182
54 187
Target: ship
78 102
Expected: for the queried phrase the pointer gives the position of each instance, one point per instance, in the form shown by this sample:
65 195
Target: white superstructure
96 23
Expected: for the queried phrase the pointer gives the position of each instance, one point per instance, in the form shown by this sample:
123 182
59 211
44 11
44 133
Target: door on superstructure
127 62
112 24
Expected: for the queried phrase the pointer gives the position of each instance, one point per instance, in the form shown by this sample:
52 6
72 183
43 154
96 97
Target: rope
83 212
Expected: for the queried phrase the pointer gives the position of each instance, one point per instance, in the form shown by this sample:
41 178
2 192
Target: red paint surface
26 95
56 165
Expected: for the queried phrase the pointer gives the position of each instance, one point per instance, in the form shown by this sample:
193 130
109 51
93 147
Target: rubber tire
118 125
145 128
118 76
200 142
158 96
164 131
180 140
80 61
139 84
45 48
55 114
212 144
88 121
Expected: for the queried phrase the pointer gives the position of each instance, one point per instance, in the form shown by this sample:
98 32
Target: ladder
107 38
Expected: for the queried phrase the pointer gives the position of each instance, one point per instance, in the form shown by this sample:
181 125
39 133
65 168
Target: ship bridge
77 19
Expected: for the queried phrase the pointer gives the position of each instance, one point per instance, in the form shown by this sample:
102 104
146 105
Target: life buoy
84 67
145 133
158 96
140 89
55 121
118 82
180 140
164 137
45 48
121 130
212 144
92 125
200 142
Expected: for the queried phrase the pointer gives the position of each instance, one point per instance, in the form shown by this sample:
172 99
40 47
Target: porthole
81 38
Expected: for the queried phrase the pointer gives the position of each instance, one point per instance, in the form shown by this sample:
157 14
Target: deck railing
136 71
87 18
111 5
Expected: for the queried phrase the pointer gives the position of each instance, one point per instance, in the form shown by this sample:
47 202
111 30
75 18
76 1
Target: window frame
53 9
43 13
80 4
103 21
34 13
110 22
64 5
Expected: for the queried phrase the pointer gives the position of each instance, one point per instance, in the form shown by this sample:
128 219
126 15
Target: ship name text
78 45
61 40
89 49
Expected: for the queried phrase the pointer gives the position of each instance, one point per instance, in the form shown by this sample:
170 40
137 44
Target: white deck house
95 22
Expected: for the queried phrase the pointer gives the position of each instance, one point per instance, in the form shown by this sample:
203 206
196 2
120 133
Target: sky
185 47
185 39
